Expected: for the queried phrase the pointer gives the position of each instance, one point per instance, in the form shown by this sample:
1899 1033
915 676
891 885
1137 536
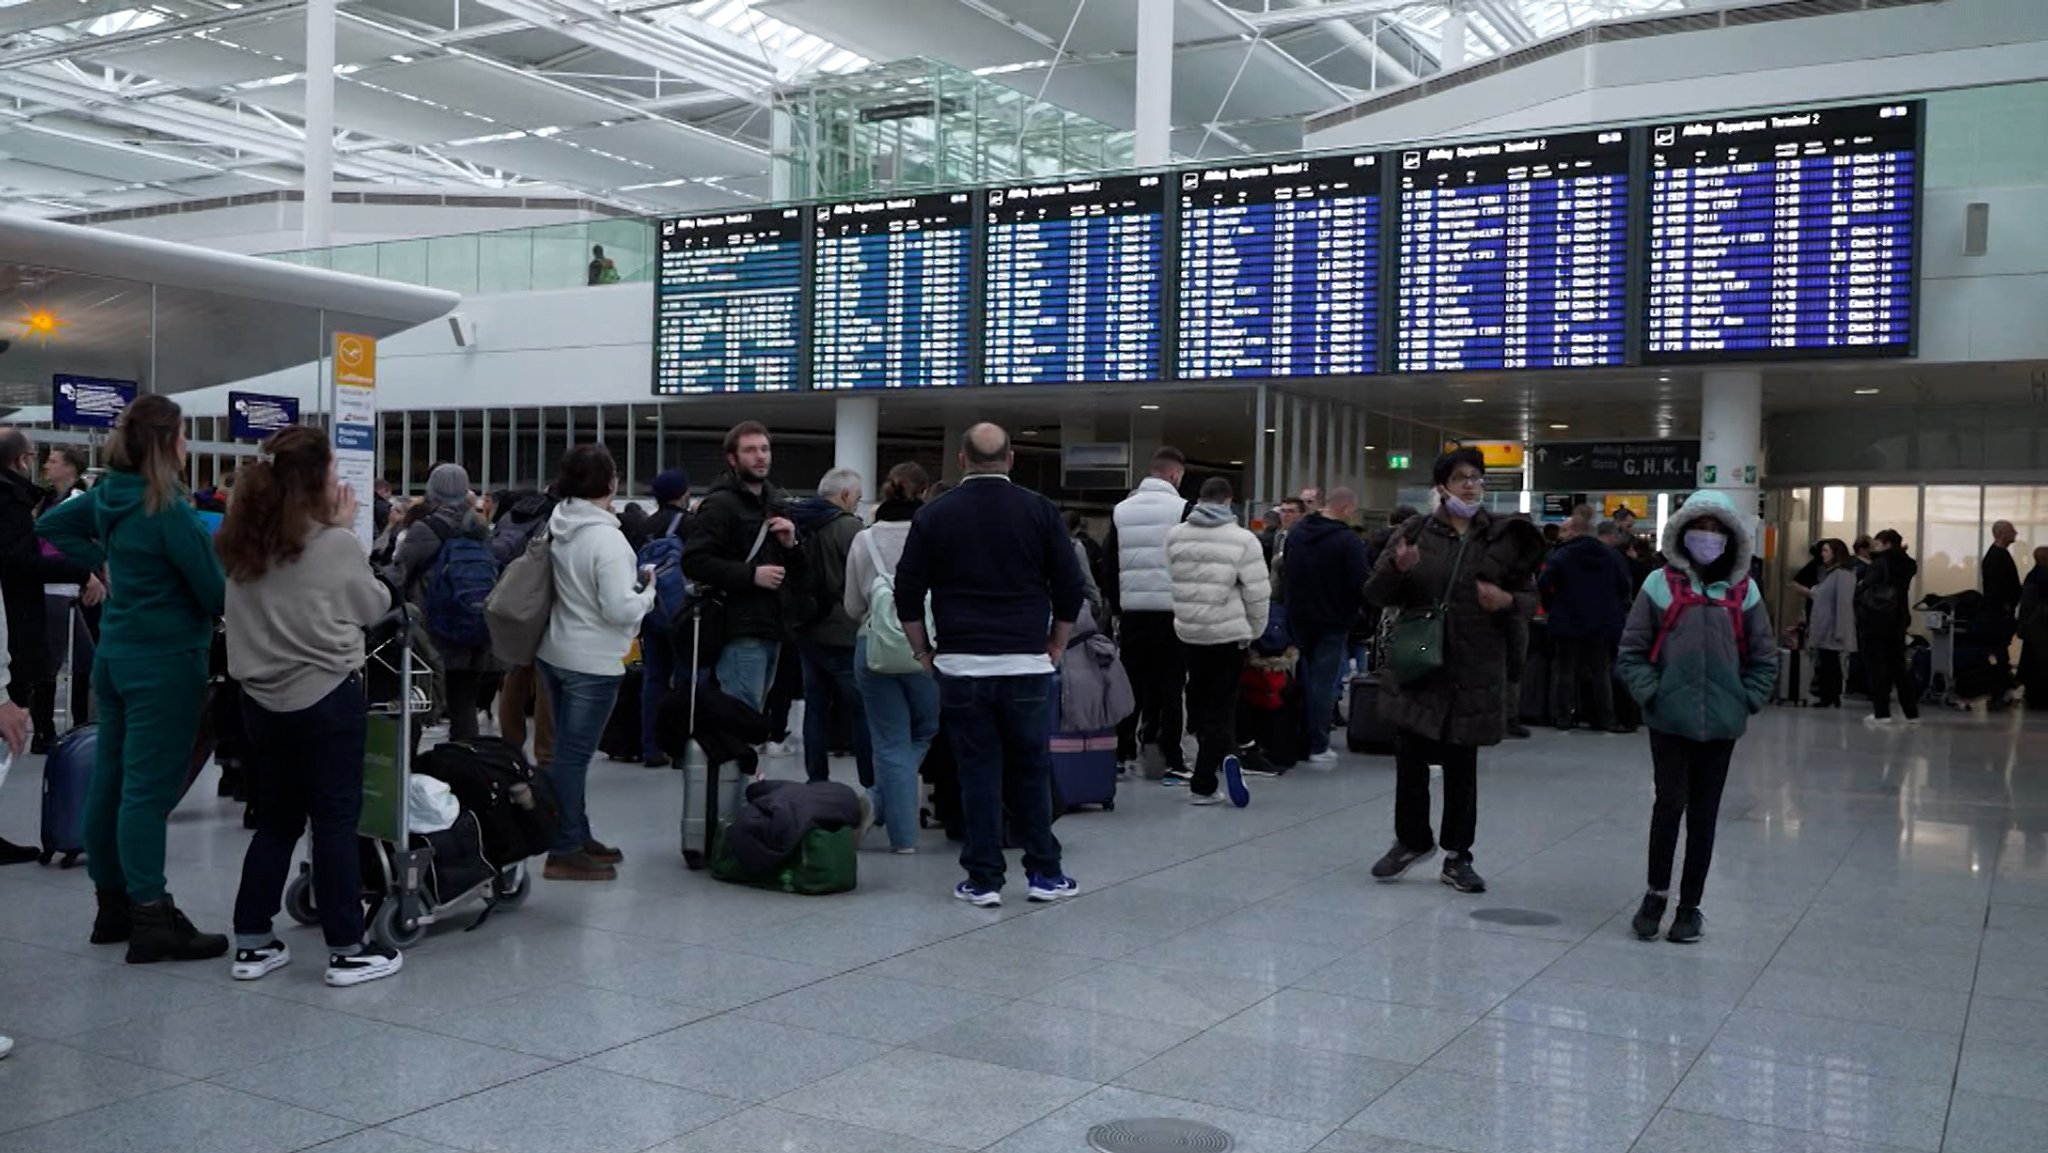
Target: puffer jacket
1833 624
1461 702
1095 691
1702 686
1141 522
1221 593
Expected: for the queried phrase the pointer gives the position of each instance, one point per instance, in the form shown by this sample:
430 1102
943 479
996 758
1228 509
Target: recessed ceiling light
1237 463
1475 400
1371 447
1560 426
1272 431
1663 380
1149 407
1030 432
1866 392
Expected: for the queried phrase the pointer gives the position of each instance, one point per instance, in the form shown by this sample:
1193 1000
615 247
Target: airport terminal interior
1739 304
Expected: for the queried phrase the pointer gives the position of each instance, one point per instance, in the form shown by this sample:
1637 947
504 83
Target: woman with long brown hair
300 594
149 676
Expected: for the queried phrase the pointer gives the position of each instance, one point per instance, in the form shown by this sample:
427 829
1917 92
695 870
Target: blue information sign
889 306
89 401
254 416
1073 281
728 301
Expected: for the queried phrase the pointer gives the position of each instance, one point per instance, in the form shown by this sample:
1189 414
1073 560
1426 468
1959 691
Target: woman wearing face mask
1479 569
1698 655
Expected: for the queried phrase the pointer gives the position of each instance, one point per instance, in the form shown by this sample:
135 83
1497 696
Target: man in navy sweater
1005 591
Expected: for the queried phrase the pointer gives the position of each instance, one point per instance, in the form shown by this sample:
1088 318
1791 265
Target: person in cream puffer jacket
1221 596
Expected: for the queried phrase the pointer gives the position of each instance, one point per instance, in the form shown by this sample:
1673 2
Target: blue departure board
1280 269
1072 281
1514 253
1784 235
889 298
728 303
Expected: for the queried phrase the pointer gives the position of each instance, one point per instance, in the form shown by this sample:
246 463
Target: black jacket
1327 565
715 555
1895 568
770 826
1586 591
998 564
24 570
2001 580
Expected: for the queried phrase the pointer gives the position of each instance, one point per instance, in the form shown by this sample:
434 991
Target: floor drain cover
1515 917
1158 1135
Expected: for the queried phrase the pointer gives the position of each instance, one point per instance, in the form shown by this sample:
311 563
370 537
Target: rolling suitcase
1366 731
1084 769
1792 688
622 738
67 770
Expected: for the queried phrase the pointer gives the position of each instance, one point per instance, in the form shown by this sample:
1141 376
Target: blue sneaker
1052 888
977 896
1233 782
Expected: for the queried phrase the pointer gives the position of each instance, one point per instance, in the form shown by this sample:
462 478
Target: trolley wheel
513 886
693 860
298 899
389 928
1109 806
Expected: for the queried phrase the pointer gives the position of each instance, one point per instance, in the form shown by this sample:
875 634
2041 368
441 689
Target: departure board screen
889 300
1514 253
728 300
1784 235
1280 269
1073 281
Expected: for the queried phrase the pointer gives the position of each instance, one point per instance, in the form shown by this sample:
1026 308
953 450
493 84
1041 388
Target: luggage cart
402 902
1940 623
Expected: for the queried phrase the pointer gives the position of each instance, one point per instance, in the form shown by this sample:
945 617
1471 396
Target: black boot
1649 917
162 933
13 854
113 925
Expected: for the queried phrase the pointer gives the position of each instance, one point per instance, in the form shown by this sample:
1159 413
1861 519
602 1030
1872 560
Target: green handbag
1415 646
825 862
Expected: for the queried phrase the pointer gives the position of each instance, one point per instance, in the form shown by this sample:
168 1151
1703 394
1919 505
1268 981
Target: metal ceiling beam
50 13
94 45
1340 28
653 45
1309 12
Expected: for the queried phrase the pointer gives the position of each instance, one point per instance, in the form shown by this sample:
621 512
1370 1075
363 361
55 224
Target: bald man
995 559
2000 575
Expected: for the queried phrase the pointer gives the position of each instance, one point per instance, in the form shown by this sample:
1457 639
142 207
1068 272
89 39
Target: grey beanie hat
448 484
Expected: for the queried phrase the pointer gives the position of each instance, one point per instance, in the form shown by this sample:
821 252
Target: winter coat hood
812 512
1704 505
1212 515
575 515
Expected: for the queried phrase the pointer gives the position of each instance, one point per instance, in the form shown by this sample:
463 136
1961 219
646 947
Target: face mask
1460 508
1705 546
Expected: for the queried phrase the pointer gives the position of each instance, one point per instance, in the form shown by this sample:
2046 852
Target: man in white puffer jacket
1221 595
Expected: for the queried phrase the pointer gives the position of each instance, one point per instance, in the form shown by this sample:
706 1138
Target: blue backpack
464 574
671 588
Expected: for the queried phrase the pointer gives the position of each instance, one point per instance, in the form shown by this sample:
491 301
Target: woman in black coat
1481 568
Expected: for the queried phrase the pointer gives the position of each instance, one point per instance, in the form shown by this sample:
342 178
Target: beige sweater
296 632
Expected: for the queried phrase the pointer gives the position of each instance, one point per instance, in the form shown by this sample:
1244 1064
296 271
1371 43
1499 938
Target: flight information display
728 312
889 301
1784 235
1280 269
1514 254
1073 281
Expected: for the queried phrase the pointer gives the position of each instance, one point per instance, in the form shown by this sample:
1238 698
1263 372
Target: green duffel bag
825 862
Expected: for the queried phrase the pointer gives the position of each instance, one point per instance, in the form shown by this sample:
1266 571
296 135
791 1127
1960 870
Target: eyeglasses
1462 479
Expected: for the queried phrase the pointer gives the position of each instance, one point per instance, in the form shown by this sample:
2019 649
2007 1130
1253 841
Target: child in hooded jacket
1698 655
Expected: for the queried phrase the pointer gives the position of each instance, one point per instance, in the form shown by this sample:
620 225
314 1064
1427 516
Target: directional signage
1616 464
89 401
254 416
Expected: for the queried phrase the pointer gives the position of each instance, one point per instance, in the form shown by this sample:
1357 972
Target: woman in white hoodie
600 598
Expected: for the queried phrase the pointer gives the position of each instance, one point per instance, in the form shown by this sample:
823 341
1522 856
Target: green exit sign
1398 461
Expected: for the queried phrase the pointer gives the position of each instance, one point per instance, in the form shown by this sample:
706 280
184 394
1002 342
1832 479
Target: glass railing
533 259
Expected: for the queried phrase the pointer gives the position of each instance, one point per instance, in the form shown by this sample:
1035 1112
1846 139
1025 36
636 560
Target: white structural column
856 425
319 146
1154 113
1732 436
1452 54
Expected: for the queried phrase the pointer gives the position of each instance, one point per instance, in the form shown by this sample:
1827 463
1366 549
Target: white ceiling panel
1113 27
1272 84
371 112
354 41
894 29
673 148
193 62
553 160
35 179
118 163
510 98
683 198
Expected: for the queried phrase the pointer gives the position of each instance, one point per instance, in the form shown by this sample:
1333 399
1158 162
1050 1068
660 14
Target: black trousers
465 689
1581 660
1157 664
1690 777
1827 677
1413 754
1886 669
1214 674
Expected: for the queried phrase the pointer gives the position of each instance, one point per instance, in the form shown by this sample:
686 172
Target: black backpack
514 803
1877 596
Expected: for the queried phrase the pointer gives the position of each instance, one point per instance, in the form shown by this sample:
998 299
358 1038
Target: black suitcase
621 739
1534 706
1366 731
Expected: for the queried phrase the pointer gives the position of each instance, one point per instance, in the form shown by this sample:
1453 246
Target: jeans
1156 662
1690 777
1322 663
522 686
307 765
746 665
1413 754
1001 729
1886 668
1588 661
902 718
149 717
828 691
1214 673
583 703
658 674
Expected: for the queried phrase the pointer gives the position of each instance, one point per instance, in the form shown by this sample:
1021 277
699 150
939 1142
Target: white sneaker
252 964
1879 722
780 748
1912 722
6 1046
373 962
1326 757
1206 799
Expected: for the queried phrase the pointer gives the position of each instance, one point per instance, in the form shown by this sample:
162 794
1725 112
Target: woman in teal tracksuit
1699 656
164 590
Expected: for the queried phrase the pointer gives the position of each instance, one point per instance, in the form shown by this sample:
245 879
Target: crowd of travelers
933 628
